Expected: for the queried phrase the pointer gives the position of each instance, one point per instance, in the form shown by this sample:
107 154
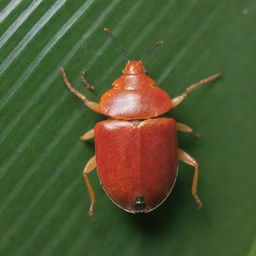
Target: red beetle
136 150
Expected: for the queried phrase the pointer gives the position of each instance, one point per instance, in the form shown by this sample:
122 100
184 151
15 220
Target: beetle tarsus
198 202
195 134
85 83
91 210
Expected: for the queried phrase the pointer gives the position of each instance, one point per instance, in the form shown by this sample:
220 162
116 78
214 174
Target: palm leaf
43 198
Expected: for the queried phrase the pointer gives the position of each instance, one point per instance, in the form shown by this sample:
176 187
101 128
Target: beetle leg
85 83
186 158
90 104
88 135
184 128
90 166
177 100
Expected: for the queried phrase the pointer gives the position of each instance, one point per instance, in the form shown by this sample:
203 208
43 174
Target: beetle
136 149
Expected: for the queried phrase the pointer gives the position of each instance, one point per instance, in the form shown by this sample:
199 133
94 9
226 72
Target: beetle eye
122 72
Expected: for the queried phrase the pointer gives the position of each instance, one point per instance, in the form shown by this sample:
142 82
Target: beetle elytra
136 150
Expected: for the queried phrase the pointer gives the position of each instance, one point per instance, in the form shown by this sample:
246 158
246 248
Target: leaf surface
44 202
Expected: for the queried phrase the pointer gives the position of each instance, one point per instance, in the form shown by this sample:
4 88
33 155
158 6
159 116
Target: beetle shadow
89 144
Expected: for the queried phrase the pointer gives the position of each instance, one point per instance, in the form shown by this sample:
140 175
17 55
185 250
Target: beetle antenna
151 49
117 43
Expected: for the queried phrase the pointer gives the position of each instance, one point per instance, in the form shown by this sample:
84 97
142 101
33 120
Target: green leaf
44 202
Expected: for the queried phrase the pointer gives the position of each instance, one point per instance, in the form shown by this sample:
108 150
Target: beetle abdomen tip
139 204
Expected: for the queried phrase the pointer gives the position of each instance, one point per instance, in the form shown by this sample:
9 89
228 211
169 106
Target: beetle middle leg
88 135
90 166
184 128
177 100
186 158
90 104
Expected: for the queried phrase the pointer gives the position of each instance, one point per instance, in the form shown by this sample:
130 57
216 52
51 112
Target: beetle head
134 67
133 77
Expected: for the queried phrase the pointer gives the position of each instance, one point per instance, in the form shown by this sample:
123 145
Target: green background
44 202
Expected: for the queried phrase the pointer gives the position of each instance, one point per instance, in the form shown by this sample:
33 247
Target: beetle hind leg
186 158
90 166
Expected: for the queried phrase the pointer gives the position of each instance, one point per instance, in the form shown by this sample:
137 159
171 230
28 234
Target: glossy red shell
137 158
135 104
134 96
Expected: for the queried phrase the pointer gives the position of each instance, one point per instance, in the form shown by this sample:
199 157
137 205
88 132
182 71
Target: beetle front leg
184 128
90 104
88 135
186 158
90 166
177 100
